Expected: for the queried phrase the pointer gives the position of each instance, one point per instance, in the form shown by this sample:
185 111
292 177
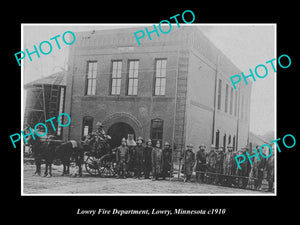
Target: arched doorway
117 131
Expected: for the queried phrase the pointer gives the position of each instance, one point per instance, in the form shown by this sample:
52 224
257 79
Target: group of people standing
220 167
217 165
135 158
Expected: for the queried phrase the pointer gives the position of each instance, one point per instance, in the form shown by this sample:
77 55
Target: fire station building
173 88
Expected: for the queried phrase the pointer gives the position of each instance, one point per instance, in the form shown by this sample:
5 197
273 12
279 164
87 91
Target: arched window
156 131
233 143
87 125
224 142
229 139
217 138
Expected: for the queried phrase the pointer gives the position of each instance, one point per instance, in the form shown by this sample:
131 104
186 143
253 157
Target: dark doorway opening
119 130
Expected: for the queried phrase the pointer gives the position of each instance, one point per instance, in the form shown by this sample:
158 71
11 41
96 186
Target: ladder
53 105
181 98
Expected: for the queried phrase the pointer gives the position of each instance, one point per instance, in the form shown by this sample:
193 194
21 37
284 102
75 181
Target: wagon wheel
106 166
91 166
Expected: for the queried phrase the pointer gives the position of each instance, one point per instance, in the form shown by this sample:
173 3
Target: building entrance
117 131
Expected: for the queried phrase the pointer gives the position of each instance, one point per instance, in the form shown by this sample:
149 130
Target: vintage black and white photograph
148 109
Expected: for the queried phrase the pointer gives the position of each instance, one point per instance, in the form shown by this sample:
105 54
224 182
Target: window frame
231 101
235 103
117 80
160 78
226 97
134 87
91 81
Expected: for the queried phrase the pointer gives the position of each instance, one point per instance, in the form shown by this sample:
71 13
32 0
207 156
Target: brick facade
188 108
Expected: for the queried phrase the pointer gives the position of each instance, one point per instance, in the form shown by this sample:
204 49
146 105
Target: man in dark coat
270 171
211 164
167 160
188 162
131 144
139 149
246 168
122 158
219 165
99 132
258 169
147 159
99 139
157 161
228 166
201 163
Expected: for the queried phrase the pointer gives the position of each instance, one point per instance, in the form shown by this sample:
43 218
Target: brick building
174 88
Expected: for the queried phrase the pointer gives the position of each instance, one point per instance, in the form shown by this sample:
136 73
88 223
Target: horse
42 150
51 150
36 149
71 150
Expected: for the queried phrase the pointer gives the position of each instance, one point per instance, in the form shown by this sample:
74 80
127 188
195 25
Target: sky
246 45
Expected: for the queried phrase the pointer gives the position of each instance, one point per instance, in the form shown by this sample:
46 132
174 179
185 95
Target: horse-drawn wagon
100 159
97 156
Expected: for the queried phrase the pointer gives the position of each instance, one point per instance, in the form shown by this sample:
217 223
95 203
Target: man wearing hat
201 163
246 171
139 148
100 131
211 163
270 171
131 144
122 159
167 160
228 166
147 159
97 137
188 162
156 161
258 169
219 165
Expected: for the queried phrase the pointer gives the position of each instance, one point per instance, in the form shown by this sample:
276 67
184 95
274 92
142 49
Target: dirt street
58 184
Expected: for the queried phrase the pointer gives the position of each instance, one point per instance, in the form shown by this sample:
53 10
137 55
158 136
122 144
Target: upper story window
133 78
231 101
116 77
226 98
235 103
91 78
160 77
